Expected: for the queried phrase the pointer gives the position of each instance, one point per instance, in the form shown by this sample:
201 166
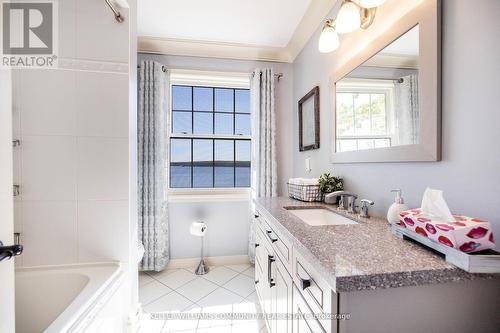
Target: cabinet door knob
257 245
305 283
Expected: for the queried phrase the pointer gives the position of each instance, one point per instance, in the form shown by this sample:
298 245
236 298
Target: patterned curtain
264 164
152 136
407 110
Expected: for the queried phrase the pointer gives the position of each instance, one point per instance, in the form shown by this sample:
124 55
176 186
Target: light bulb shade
348 19
370 3
328 40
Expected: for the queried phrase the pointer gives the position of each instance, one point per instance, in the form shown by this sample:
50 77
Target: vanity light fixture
329 39
350 18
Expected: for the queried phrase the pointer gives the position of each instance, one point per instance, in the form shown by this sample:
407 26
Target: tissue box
465 233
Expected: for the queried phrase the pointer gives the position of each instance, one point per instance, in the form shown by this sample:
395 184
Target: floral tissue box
465 233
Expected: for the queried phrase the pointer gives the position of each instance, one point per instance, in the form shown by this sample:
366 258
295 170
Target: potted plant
329 183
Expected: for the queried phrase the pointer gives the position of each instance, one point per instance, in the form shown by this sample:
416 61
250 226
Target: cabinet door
282 296
303 322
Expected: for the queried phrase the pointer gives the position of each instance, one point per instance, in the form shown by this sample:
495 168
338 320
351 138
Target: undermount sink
319 216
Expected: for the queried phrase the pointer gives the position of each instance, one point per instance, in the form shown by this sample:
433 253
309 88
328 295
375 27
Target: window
363 118
210 145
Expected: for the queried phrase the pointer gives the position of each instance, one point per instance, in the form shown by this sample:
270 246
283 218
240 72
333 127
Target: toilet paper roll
198 228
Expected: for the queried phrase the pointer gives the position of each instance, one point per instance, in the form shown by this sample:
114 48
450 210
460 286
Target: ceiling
269 23
250 22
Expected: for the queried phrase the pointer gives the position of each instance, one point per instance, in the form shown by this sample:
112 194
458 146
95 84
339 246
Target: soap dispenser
397 207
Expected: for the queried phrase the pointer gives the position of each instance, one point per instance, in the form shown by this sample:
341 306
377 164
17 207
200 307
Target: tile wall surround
73 124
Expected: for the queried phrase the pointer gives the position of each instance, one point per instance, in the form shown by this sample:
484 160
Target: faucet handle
364 207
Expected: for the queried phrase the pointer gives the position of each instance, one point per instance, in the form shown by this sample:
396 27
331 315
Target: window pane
224 163
224 123
180 150
203 163
242 177
362 114
203 123
365 144
242 101
345 121
203 99
203 176
203 151
243 150
378 114
224 99
242 124
347 145
181 122
180 176
181 98
180 165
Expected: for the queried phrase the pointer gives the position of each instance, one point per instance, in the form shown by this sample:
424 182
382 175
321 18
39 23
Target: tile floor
225 289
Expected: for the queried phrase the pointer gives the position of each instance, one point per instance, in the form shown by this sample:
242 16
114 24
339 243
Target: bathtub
67 298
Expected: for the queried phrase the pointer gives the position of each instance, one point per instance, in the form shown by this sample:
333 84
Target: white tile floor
224 290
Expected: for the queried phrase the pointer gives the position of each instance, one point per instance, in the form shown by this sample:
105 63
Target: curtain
407 110
152 136
264 164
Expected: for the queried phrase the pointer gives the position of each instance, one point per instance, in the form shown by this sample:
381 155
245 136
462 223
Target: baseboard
211 261
134 319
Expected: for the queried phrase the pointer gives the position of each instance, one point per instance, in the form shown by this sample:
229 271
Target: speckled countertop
360 256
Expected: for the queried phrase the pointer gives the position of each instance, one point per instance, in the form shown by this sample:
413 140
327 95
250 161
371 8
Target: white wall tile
67 29
48 102
102 169
49 232
98 35
102 104
102 231
48 168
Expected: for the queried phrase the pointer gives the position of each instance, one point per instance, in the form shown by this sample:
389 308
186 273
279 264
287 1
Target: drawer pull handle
270 260
305 283
269 232
256 216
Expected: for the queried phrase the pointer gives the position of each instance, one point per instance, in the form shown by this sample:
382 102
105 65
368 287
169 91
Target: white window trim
234 80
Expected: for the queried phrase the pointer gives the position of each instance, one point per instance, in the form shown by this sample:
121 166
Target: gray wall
469 172
228 220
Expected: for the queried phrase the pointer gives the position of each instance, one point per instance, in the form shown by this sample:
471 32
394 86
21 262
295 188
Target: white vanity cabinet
273 281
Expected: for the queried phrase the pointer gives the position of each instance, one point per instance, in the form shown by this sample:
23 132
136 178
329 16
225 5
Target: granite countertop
360 256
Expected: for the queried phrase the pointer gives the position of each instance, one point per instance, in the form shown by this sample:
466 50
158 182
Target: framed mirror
309 120
387 100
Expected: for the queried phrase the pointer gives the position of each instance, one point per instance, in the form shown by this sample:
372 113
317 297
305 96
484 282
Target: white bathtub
64 298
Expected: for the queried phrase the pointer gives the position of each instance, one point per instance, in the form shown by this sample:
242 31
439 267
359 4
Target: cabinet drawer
303 320
316 292
281 246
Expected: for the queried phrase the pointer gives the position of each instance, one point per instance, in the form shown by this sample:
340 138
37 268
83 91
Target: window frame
207 79
354 86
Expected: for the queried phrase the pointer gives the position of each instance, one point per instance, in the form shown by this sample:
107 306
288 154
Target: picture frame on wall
309 120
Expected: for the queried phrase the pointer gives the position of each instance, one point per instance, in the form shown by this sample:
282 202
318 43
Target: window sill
209 194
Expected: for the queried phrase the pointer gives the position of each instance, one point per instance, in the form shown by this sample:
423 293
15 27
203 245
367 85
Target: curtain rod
163 68
277 75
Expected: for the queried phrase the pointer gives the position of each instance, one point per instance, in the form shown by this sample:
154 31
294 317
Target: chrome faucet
345 198
351 203
365 203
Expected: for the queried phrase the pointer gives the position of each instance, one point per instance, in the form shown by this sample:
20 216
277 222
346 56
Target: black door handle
270 260
7 252
270 237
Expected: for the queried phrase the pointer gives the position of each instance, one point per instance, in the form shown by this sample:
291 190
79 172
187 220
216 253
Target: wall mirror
309 120
387 102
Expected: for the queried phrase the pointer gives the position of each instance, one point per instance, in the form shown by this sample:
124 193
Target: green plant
329 183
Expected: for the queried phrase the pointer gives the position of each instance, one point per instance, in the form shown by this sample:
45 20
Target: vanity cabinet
273 281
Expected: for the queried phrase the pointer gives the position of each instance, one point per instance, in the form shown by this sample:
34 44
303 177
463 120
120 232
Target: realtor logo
28 33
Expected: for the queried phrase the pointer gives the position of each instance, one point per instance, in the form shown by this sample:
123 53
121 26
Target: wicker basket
305 192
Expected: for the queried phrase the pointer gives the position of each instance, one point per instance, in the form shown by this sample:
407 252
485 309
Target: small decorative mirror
309 120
